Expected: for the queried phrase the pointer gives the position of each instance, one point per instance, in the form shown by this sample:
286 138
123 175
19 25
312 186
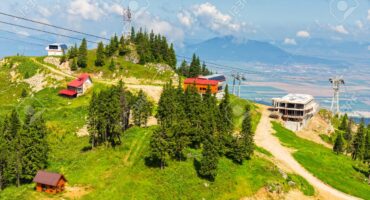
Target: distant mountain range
229 49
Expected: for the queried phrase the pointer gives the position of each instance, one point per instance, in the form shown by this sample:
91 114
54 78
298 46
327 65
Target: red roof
79 81
48 178
68 92
200 81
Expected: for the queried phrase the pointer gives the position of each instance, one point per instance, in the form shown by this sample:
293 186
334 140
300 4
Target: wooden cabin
202 84
78 86
49 182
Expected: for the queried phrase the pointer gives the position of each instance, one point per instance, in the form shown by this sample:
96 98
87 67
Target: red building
202 84
78 86
48 182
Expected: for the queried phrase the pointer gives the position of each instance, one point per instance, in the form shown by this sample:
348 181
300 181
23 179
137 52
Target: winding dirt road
264 138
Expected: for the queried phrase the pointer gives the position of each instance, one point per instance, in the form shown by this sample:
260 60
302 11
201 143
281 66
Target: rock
291 183
283 174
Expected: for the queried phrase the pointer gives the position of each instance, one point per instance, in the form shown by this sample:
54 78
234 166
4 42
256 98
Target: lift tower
336 83
127 21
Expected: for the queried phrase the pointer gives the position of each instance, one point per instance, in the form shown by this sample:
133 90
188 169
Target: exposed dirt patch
152 91
83 132
264 194
64 67
76 192
36 82
316 126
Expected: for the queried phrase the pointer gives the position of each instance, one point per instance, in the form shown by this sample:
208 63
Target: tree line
23 146
195 68
355 143
110 112
190 120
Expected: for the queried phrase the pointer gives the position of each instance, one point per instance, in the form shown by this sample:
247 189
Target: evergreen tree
225 121
3 157
247 133
195 68
348 136
367 146
82 54
344 123
209 162
73 52
359 142
142 109
194 109
338 147
172 61
74 64
133 34
100 55
183 69
159 147
112 65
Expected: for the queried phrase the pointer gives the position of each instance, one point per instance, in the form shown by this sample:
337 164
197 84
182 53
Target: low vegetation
336 170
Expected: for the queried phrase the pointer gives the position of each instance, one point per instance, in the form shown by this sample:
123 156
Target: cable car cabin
202 84
48 182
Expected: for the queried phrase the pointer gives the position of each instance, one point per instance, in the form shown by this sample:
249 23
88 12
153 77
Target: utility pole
239 77
127 22
336 83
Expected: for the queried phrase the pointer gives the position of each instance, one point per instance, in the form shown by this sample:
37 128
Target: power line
48 32
28 36
50 25
16 40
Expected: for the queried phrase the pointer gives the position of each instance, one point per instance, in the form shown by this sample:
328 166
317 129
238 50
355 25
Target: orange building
48 182
202 84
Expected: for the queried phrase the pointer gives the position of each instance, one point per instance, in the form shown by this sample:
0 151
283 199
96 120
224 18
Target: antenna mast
336 83
127 22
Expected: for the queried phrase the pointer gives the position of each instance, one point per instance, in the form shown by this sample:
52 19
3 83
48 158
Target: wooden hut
48 182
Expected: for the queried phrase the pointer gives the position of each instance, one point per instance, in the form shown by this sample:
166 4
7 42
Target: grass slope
335 170
121 173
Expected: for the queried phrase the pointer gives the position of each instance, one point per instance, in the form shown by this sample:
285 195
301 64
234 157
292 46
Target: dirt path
264 138
55 71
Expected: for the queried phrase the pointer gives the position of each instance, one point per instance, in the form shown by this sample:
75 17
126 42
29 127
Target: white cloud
87 9
368 15
368 47
207 16
290 41
185 18
23 33
340 29
303 34
359 24
44 11
113 8
150 22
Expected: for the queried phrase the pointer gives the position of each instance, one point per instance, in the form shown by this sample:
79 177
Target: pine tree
74 64
183 69
225 121
367 146
172 61
348 136
82 54
112 65
195 68
209 162
3 157
247 133
133 35
344 123
73 52
159 147
194 109
100 55
338 147
359 142
142 109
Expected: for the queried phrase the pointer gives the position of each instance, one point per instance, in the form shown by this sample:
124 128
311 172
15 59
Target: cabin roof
70 93
79 81
200 81
48 178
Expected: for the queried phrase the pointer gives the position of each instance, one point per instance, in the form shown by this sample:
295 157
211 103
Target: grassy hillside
335 170
121 173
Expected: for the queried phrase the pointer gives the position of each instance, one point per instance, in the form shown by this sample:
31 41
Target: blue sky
286 21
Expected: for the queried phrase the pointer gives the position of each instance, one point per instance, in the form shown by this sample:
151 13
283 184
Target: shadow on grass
196 164
86 149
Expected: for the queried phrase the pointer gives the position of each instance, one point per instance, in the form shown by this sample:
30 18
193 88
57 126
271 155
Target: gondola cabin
56 49
49 182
